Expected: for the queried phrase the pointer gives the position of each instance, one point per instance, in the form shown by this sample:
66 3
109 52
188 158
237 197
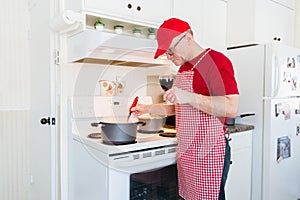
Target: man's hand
178 96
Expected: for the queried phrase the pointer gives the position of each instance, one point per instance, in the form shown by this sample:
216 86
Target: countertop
238 128
229 128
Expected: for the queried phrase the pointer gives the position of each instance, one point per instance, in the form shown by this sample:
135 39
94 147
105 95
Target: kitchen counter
229 128
238 128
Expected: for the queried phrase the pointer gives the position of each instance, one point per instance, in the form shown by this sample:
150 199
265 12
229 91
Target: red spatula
134 103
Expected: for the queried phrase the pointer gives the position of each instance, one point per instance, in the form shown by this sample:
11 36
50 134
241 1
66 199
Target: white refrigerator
268 78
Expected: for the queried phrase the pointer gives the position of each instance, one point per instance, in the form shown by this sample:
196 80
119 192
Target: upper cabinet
287 3
297 28
260 21
140 11
207 19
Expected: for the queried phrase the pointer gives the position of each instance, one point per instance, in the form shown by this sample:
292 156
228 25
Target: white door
281 149
43 139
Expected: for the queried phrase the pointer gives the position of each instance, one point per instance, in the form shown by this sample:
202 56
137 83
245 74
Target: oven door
160 184
156 184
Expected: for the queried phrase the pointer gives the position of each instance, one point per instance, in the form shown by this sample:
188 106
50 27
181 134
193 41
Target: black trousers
225 170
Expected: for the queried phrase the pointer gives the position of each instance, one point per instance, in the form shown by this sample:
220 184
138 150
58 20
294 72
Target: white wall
14 100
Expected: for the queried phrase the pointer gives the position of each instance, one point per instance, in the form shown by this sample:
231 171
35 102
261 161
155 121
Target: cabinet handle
48 121
277 38
231 162
138 8
129 6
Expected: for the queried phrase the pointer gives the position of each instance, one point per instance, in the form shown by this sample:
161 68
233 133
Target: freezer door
281 144
248 64
282 71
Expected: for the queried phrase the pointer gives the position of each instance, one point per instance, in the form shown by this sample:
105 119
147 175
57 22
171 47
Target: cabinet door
117 8
191 14
238 185
258 22
214 24
284 27
207 19
287 3
271 26
143 11
297 28
154 11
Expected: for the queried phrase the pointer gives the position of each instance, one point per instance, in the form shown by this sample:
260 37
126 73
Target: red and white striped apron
201 147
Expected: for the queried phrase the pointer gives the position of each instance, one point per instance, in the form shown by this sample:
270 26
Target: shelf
110 23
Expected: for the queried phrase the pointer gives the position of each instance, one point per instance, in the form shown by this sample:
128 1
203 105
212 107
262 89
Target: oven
145 170
155 184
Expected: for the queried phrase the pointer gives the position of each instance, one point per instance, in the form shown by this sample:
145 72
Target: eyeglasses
170 51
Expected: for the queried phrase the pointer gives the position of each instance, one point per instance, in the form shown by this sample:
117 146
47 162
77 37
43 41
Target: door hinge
57 57
48 121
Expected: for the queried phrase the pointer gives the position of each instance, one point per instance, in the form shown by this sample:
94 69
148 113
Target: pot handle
140 123
245 115
95 124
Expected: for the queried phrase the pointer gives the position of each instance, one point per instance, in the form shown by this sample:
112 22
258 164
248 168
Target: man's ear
189 36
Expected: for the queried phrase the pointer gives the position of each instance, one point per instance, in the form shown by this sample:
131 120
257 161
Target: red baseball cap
167 31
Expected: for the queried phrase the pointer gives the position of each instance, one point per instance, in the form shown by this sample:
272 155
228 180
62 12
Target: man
203 95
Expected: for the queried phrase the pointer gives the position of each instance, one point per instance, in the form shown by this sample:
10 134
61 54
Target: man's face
173 53
176 59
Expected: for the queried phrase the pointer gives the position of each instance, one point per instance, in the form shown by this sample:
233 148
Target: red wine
166 83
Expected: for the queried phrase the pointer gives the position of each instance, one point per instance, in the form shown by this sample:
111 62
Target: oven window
159 184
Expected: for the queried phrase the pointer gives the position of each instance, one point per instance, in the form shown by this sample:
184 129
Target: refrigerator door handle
276 76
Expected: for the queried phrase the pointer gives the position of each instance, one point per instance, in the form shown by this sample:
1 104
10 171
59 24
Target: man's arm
219 106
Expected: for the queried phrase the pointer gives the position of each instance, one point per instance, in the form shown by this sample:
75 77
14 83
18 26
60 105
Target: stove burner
94 135
119 143
144 131
167 134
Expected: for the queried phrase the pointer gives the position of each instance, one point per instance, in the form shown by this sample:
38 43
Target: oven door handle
144 163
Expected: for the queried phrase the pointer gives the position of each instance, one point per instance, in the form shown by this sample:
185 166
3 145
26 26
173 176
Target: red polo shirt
214 75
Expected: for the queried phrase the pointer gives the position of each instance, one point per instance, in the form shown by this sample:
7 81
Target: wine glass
166 81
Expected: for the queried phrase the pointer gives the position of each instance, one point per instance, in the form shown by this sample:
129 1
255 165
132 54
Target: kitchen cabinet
238 185
140 11
259 21
297 28
207 19
287 3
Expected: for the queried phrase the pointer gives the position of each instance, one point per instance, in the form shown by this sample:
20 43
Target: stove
113 172
87 109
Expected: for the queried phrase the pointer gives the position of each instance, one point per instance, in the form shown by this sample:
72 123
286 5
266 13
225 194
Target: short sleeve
215 76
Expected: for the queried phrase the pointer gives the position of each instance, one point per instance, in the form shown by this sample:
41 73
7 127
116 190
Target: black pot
118 132
231 121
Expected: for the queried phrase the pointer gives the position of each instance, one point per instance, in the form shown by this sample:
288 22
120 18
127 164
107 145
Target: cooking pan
118 131
231 121
153 123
